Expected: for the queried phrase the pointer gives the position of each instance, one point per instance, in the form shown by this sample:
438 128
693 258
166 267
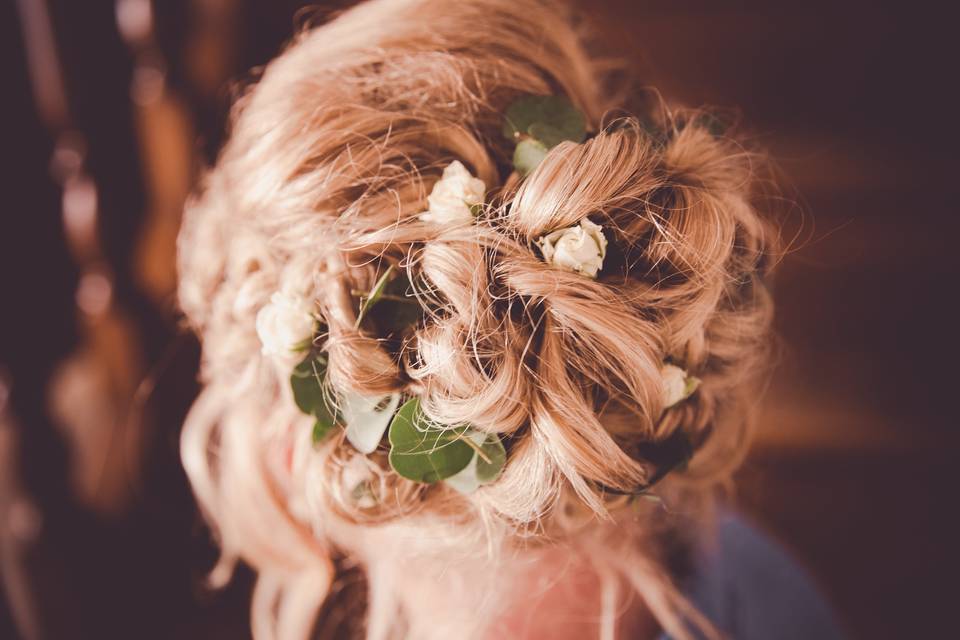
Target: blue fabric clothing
751 589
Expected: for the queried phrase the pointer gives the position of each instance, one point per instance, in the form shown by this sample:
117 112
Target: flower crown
421 449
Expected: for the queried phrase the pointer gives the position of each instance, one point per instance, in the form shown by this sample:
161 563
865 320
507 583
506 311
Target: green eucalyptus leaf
367 419
326 414
485 466
424 451
321 429
528 155
556 112
549 136
308 382
491 463
367 301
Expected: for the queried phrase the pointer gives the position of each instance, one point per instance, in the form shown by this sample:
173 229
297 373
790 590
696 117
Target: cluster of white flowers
287 322
580 248
453 196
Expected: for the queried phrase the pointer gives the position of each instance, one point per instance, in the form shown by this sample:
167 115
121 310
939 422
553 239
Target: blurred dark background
112 106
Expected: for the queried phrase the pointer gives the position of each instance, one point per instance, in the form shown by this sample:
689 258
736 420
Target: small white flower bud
580 248
677 385
453 195
285 323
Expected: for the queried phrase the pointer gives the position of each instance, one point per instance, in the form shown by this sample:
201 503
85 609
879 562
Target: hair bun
324 184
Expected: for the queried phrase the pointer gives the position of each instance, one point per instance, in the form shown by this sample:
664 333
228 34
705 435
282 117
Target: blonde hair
331 157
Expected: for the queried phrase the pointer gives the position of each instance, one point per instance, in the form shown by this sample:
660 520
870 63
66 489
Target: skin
559 598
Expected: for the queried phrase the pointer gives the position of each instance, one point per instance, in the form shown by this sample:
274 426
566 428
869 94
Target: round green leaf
528 155
326 414
307 382
490 464
485 466
556 112
546 134
422 450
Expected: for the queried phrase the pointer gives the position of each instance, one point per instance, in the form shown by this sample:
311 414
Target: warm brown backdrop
854 464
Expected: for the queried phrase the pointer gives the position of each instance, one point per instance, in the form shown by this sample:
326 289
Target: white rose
580 248
285 323
453 195
677 385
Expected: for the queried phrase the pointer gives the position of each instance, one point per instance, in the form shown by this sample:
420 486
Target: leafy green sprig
396 308
537 124
312 394
421 449
425 451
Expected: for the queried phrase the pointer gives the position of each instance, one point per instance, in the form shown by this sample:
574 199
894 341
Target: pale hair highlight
332 154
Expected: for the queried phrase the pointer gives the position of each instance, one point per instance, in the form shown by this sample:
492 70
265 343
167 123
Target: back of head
335 155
